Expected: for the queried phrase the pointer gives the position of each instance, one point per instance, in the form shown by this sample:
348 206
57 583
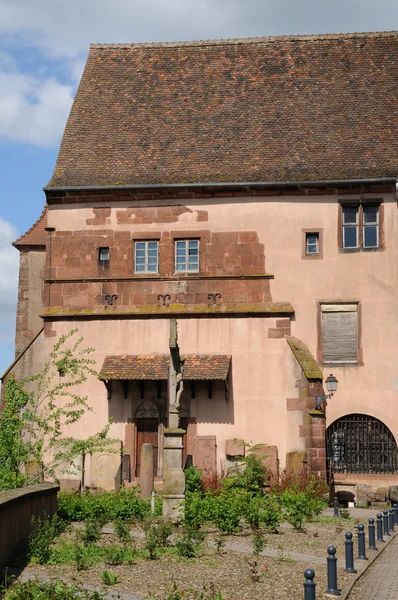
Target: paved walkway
380 581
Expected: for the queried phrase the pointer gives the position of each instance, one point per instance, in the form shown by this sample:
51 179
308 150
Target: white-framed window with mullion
146 256
187 256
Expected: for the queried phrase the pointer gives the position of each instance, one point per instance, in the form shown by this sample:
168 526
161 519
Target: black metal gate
360 444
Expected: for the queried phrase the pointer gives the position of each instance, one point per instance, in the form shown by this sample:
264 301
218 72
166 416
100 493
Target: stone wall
17 507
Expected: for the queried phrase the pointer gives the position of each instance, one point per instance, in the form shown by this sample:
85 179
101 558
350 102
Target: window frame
361 207
308 232
187 241
340 306
99 254
146 270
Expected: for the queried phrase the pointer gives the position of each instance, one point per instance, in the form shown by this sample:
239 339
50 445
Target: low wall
17 507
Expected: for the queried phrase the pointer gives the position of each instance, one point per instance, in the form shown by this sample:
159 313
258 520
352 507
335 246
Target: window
312 243
103 254
360 227
146 257
187 256
339 333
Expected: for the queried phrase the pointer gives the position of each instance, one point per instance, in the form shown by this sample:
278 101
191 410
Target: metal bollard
349 553
335 507
392 519
385 521
380 527
361 542
372 536
309 585
395 507
332 572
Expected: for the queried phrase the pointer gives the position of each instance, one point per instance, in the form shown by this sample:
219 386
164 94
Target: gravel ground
280 567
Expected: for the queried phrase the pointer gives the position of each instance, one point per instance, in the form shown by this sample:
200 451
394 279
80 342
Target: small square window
146 257
103 254
312 243
187 256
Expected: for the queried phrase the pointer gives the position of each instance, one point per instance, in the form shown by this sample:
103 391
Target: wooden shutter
340 333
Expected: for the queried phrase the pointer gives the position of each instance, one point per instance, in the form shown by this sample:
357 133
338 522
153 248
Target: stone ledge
15 495
244 308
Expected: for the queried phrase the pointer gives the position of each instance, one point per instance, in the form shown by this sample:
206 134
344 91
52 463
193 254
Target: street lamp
331 386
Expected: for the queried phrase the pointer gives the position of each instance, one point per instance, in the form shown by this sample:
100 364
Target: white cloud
9 264
65 29
32 109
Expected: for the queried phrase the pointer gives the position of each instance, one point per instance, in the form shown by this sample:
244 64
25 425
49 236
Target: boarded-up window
339 324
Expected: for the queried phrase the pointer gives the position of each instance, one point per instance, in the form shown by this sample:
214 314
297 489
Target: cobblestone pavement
380 582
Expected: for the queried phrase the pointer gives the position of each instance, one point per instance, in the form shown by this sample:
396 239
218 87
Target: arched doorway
359 443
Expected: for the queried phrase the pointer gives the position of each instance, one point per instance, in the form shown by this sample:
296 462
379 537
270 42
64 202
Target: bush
109 578
42 534
157 535
115 555
122 531
313 485
262 512
38 590
252 478
126 505
259 542
187 545
193 480
299 507
92 531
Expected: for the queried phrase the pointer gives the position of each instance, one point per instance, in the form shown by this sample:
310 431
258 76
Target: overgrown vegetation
38 590
35 412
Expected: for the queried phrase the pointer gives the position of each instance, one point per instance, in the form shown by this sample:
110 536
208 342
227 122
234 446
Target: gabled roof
156 367
36 235
251 110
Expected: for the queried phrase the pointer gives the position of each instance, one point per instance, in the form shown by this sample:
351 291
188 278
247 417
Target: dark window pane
370 214
370 236
104 253
350 214
350 237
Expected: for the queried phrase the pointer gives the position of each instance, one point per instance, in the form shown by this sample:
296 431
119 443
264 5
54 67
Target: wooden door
147 433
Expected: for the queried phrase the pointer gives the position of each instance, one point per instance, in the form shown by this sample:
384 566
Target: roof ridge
35 224
250 40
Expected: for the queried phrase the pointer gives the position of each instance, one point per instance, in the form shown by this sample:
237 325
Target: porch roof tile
156 367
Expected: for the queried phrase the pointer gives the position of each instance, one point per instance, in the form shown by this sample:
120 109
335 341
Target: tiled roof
150 366
307 362
156 366
254 110
36 235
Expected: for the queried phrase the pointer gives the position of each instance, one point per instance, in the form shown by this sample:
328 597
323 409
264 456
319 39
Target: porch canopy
155 367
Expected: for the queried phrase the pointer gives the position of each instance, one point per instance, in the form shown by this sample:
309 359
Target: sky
43 48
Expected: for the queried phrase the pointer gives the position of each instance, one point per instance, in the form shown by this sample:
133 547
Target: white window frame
351 226
371 224
309 234
143 245
178 245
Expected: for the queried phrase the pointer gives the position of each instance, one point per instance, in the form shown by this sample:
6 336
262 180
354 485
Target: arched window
361 444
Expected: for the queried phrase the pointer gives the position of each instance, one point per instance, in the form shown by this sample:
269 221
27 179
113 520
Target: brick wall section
313 429
74 255
30 296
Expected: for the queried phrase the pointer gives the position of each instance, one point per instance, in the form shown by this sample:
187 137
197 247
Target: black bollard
392 519
309 585
380 527
385 520
395 507
372 536
335 507
361 542
349 553
332 572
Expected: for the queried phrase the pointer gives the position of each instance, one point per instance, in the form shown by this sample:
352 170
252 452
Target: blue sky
43 47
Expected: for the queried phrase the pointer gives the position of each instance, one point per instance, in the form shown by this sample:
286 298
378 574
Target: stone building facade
246 188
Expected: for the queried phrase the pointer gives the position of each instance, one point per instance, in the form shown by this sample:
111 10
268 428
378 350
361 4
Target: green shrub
299 507
38 590
109 578
228 510
115 555
126 505
251 475
259 542
193 480
122 530
187 545
92 531
42 534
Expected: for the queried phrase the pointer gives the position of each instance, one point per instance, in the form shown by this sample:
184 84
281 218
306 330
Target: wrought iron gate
360 444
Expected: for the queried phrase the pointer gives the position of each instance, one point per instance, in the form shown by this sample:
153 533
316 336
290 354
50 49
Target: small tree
32 422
